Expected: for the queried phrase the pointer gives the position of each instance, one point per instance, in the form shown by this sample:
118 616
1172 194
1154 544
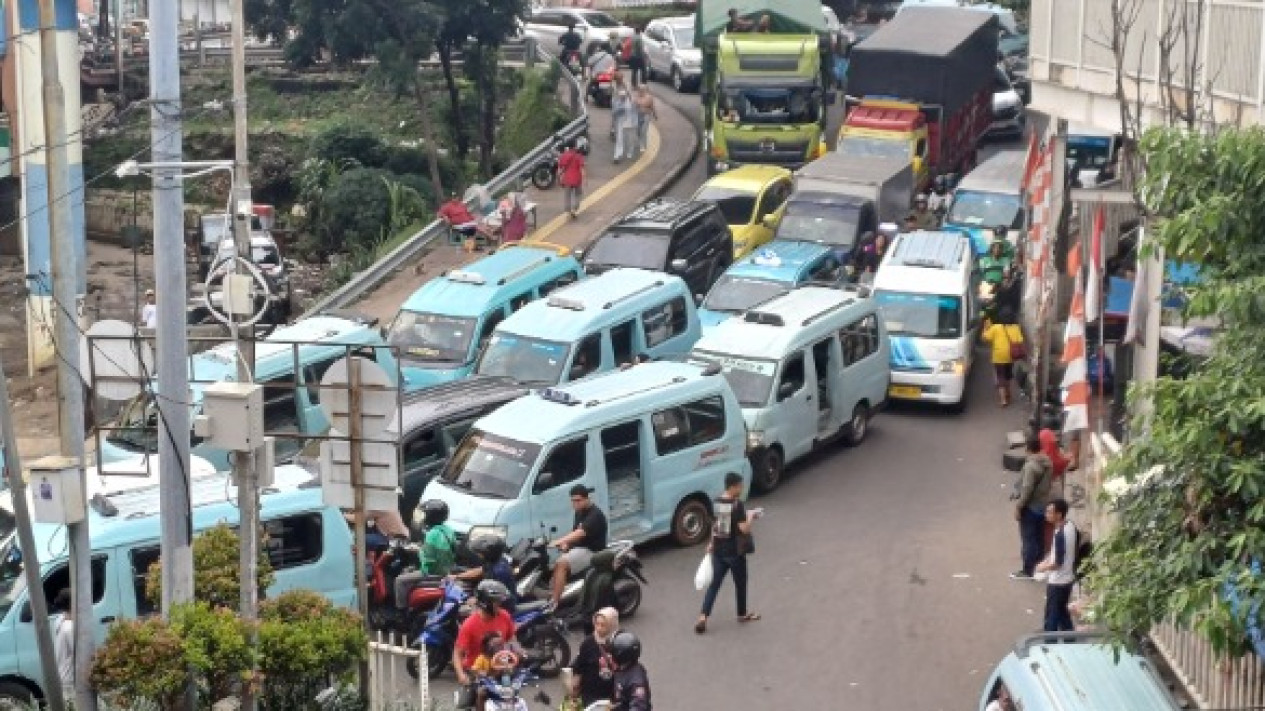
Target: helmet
1000 231
625 648
488 548
494 591
434 512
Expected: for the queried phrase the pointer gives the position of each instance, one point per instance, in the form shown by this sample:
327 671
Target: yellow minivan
752 199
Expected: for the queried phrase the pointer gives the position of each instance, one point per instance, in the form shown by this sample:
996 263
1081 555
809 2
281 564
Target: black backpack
1084 550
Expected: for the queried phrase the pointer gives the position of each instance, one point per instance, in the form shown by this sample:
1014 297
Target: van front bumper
942 388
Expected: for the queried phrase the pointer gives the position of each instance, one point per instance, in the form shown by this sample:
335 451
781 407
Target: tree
216 581
497 22
1194 525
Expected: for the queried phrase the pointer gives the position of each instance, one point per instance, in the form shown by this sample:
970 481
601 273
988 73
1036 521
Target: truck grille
790 152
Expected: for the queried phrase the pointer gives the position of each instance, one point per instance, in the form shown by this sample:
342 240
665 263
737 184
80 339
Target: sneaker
1020 575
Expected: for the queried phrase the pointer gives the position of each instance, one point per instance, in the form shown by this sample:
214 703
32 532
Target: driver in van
587 536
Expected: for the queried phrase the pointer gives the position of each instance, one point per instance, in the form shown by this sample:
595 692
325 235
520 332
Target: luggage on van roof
935 250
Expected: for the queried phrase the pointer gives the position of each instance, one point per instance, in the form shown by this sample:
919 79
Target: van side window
59 580
792 375
622 342
588 357
520 301
827 270
142 558
665 322
293 540
671 433
564 280
706 418
421 448
566 463
859 340
280 409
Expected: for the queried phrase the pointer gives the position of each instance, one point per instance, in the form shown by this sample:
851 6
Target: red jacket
1050 448
571 168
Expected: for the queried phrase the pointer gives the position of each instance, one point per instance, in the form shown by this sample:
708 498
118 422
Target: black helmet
488 548
494 591
434 512
625 648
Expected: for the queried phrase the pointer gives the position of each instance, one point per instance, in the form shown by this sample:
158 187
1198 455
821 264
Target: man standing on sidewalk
637 59
1030 500
1060 565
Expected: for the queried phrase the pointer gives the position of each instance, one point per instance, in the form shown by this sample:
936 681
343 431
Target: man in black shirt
570 41
587 537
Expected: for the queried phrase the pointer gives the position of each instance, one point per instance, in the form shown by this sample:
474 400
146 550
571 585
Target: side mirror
785 390
770 221
544 481
678 265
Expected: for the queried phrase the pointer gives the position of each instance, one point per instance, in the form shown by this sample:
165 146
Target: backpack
626 49
1018 349
1084 550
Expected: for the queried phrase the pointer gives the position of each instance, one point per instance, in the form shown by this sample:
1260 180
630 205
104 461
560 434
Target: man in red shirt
458 216
571 177
488 616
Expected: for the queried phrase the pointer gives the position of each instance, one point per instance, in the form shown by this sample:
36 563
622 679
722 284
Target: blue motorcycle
503 687
542 637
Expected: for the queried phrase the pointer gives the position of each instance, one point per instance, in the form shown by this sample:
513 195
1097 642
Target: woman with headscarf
593 667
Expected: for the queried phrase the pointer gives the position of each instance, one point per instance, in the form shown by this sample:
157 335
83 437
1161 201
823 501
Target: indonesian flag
1076 376
1093 287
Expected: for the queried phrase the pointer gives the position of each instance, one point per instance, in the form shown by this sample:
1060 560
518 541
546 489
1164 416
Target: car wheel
691 523
678 82
15 696
859 425
769 468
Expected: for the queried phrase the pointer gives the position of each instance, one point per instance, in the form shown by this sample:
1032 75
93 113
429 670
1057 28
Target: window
665 322
792 380
422 448
859 340
142 559
454 431
588 357
691 241
566 463
564 280
622 342
490 323
827 270
621 448
691 424
520 301
293 541
773 198
59 580
920 148
280 410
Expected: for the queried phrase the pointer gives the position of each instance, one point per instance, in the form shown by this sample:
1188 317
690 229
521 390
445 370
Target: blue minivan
308 544
593 326
443 325
768 272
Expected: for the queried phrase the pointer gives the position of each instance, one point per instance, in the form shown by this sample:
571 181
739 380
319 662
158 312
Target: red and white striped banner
1039 189
1076 375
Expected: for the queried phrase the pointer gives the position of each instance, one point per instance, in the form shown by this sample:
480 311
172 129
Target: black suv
688 239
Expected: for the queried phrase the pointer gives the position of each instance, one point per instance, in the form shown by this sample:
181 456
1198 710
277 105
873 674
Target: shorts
579 559
1004 372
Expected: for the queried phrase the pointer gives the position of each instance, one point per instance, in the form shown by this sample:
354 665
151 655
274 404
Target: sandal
749 617
700 627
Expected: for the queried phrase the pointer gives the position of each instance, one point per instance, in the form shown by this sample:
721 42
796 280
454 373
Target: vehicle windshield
732 294
490 465
265 254
527 360
867 147
136 426
820 222
629 249
600 19
921 315
12 574
750 378
684 37
1089 152
771 105
432 337
986 210
738 206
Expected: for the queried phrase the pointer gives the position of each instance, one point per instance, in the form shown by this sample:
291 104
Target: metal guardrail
380 271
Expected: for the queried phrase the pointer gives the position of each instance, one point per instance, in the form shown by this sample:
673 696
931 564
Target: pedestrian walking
1031 496
571 177
1060 569
1004 336
731 544
644 104
624 123
594 668
64 643
637 58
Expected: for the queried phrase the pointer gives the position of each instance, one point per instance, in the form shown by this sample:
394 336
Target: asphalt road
880 571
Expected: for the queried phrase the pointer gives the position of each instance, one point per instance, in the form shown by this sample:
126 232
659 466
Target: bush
357 210
304 641
343 142
531 116
141 660
216 580
216 647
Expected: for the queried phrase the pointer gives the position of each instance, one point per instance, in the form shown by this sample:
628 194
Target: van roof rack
629 393
648 287
563 302
827 310
524 270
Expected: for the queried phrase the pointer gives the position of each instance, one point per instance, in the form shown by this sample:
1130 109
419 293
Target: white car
1009 114
548 25
670 51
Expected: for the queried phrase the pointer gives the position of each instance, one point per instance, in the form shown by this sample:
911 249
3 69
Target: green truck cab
764 93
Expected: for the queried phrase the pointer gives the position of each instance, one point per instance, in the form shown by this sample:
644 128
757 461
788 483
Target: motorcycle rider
994 263
493 566
602 60
926 218
587 536
438 551
938 200
489 616
570 41
632 684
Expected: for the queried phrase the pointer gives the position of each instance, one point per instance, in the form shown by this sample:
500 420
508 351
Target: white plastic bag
703 577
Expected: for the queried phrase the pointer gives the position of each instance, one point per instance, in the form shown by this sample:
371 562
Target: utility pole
244 467
30 554
118 50
70 386
172 351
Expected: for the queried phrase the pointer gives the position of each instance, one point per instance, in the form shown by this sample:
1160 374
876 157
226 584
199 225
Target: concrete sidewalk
610 190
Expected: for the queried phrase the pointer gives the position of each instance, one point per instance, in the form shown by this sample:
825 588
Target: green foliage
216 552
356 209
141 660
216 647
346 143
533 114
302 636
1197 522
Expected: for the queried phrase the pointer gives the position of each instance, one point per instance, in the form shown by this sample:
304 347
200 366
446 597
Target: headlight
501 532
957 366
755 439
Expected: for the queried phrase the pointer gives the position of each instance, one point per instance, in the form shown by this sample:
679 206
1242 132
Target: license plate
910 392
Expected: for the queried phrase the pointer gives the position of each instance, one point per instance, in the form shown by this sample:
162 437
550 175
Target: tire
627 596
543 176
437 659
678 81
768 469
859 425
549 646
691 523
15 697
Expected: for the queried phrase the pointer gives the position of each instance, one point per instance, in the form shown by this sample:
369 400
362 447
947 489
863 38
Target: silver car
547 25
670 51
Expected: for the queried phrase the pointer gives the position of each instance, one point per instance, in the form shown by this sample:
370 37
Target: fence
390 684
1212 682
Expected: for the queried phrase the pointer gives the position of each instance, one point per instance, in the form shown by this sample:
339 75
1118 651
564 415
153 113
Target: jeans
637 70
1031 535
625 140
571 198
1057 617
721 565
643 132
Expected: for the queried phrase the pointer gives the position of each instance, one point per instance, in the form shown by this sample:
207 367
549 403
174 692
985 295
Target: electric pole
70 386
244 465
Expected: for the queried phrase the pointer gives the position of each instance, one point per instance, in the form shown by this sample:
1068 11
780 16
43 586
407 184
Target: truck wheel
769 467
691 522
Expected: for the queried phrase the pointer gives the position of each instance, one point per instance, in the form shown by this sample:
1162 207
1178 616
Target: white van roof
1001 173
926 263
780 325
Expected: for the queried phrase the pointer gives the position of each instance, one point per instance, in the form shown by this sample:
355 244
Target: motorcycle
503 689
619 563
545 173
385 565
602 88
539 633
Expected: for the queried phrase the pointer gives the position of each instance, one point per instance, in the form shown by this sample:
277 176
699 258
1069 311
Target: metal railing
390 684
381 270
1212 682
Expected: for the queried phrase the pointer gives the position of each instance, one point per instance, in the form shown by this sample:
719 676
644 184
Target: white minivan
925 289
809 367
